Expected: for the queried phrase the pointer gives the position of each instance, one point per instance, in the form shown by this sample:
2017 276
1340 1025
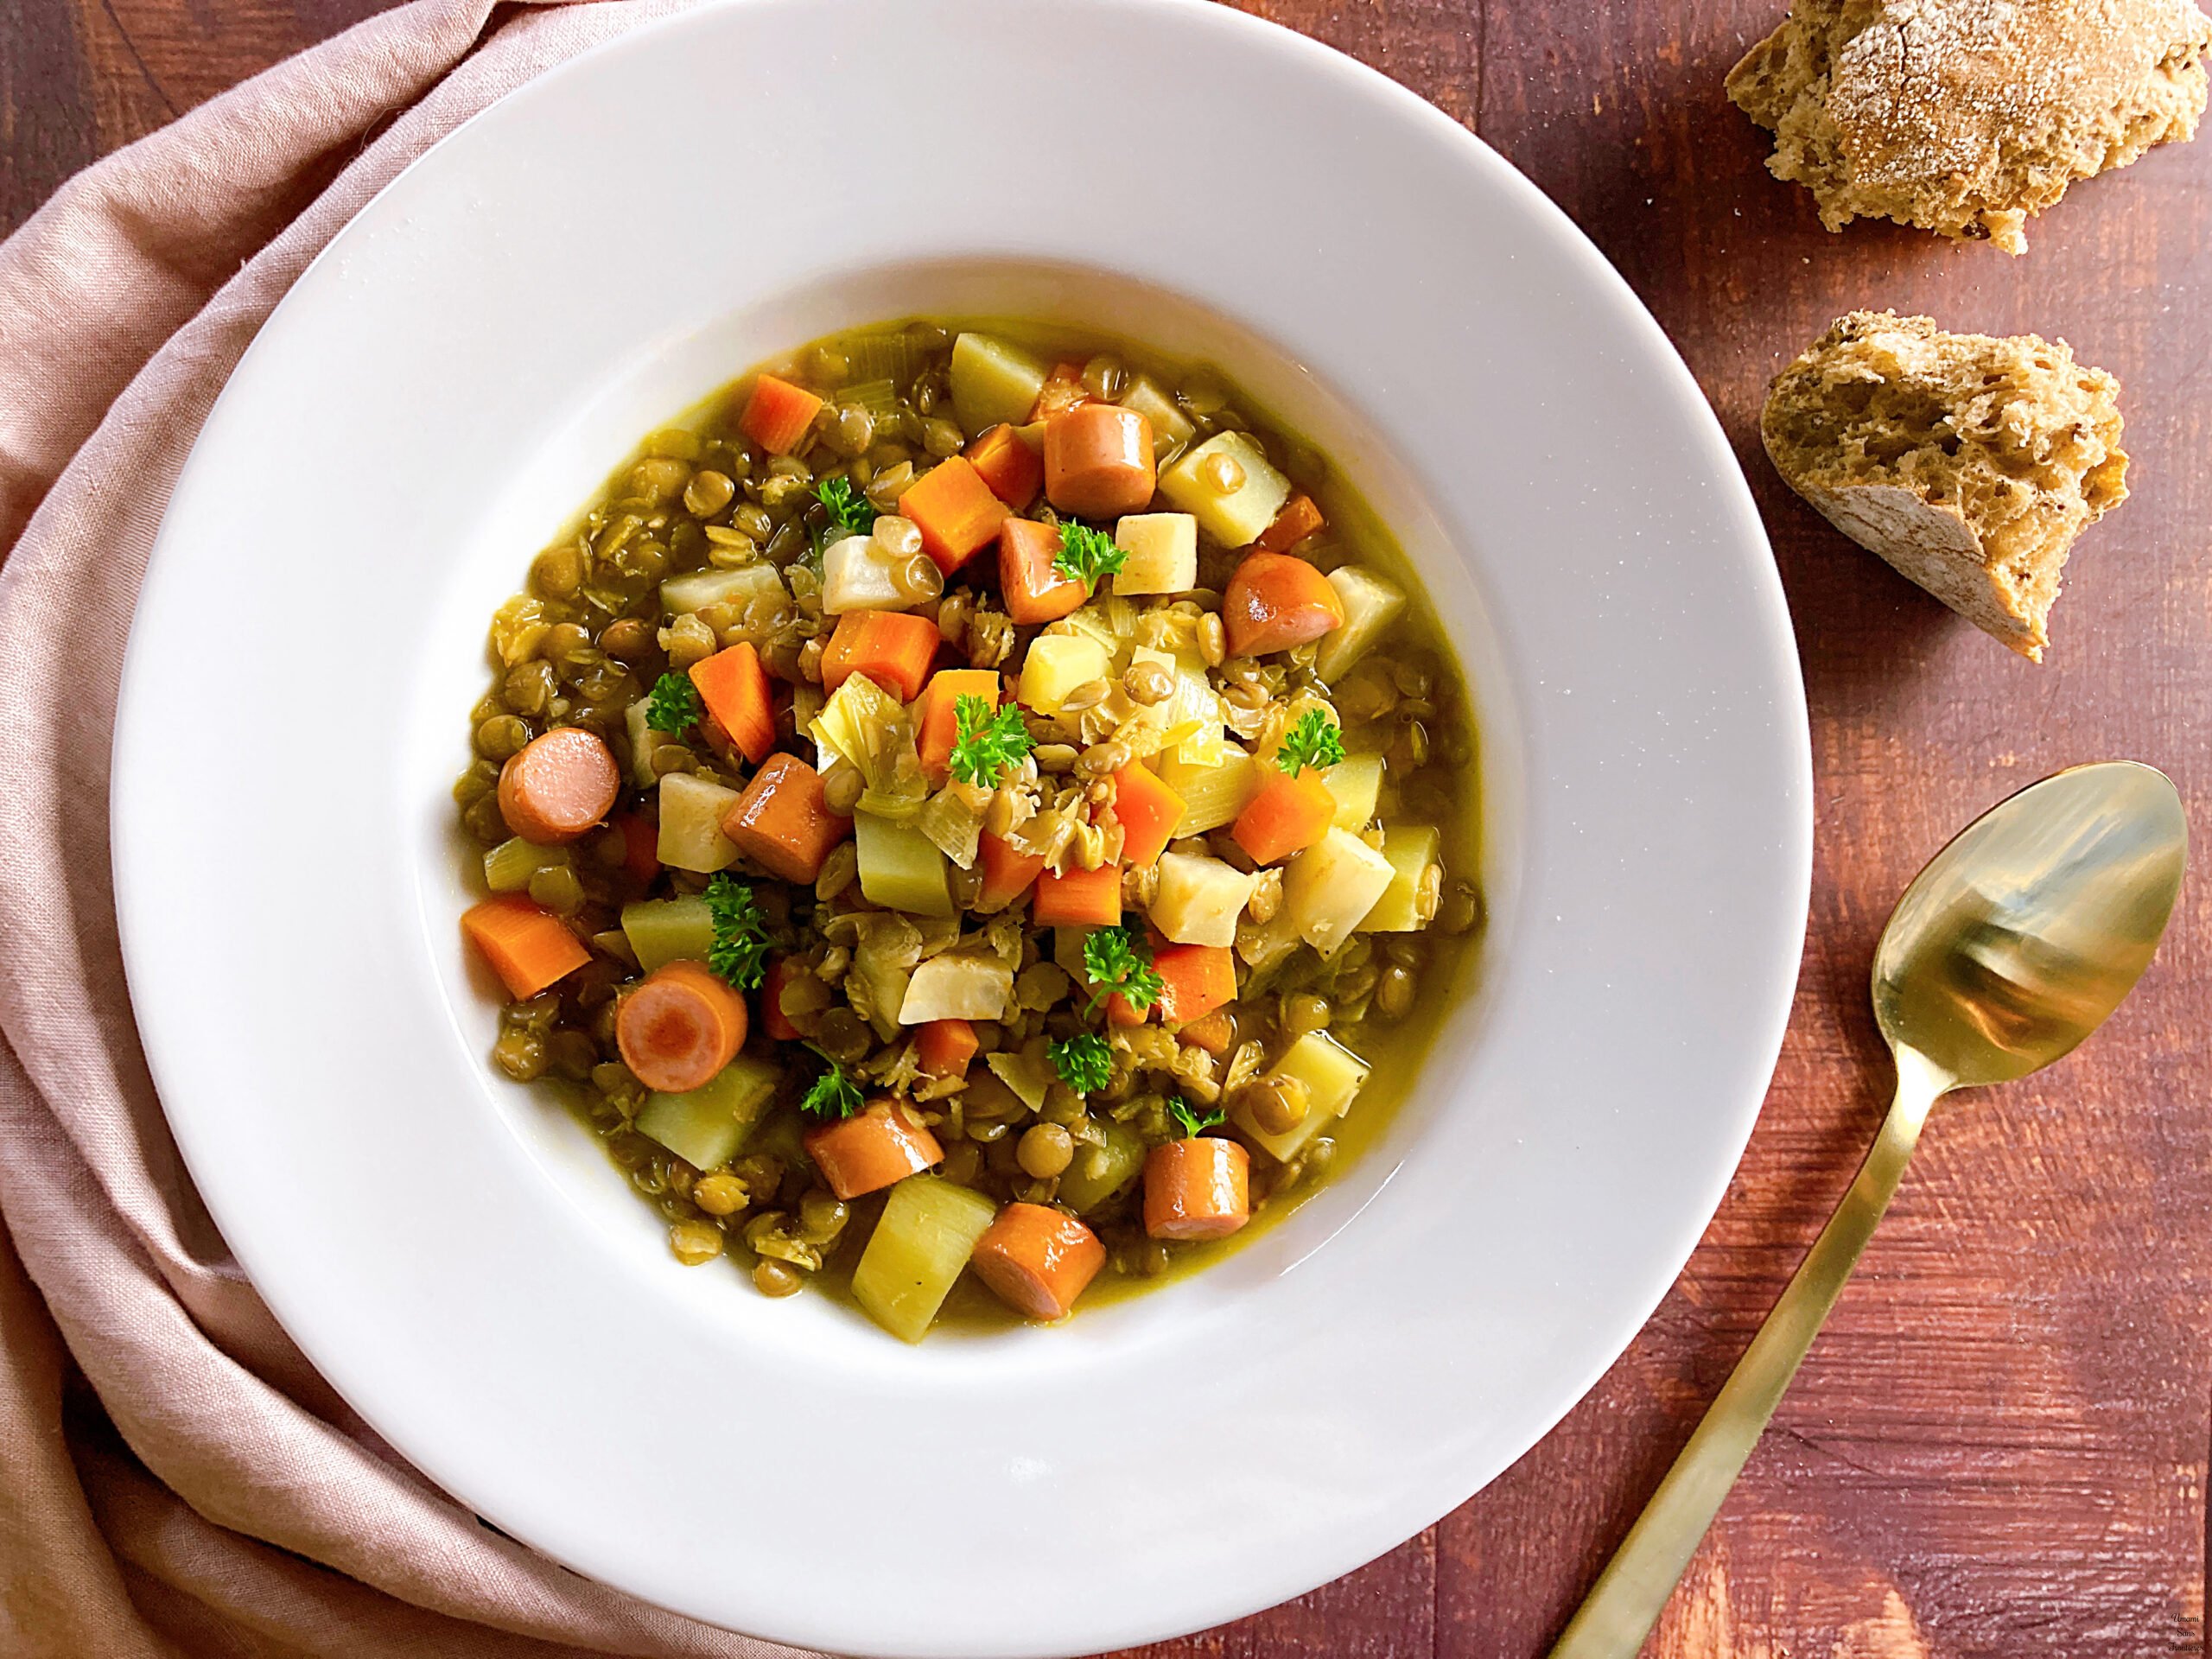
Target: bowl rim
143 863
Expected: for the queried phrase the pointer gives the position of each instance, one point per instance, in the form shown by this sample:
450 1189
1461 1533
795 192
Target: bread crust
1970 463
1965 116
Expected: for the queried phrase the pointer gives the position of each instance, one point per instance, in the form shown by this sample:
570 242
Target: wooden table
1999 1448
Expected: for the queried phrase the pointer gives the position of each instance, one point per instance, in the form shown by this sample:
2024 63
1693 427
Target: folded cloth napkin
173 1477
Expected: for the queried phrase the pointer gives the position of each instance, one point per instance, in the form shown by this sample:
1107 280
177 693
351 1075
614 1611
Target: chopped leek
509 866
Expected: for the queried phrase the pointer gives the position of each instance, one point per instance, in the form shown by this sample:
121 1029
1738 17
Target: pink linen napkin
173 1477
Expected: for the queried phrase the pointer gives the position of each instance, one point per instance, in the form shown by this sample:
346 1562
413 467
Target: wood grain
1999 1448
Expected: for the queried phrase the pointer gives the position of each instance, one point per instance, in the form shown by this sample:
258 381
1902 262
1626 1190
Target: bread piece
1967 116
1969 462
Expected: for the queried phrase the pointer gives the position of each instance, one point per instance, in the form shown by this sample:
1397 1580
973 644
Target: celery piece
1411 849
1333 1077
878 398
993 380
509 866
707 1126
1212 796
1329 888
691 813
927 1232
739 588
662 930
1356 782
1371 606
901 868
893 356
1233 517
1098 1172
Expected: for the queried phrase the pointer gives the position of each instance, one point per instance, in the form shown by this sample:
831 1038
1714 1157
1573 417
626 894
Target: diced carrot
1038 1259
893 648
872 1149
1299 518
1215 1032
1063 391
678 1027
1275 600
640 847
1007 873
526 944
777 414
954 511
783 821
1196 979
1013 470
774 1020
734 687
943 1047
1288 815
1147 810
937 724
1078 898
1034 590
1198 1188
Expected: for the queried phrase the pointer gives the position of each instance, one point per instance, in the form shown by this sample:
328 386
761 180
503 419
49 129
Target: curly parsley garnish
849 512
1084 1062
1120 959
986 745
1193 1123
1315 741
739 952
672 705
1086 554
832 1095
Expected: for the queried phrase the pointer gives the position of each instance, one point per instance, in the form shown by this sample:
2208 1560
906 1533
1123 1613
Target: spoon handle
1630 1594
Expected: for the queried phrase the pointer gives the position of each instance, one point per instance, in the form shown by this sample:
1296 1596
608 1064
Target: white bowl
451 381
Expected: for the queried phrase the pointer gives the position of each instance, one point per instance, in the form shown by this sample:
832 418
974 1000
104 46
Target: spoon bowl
2022 936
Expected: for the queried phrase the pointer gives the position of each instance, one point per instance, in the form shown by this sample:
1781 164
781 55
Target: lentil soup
973 817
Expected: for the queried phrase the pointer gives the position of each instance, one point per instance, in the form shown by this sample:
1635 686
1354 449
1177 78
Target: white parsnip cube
1332 1077
1411 849
1171 427
1199 900
1233 516
993 380
691 811
956 987
1371 604
1163 550
1330 887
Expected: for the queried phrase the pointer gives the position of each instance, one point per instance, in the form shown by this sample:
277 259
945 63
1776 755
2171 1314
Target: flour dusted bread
1967 116
1969 462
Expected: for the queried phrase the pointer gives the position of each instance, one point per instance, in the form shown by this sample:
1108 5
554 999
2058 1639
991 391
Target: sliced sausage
1098 461
559 786
1038 1259
872 1149
679 1029
1198 1188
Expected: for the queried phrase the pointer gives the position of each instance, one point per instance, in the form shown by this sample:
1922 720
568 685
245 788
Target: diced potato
708 1126
860 574
1199 898
509 866
1330 887
1099 1172
1236 519
1163 550
927 1232
958 988
662 930
691 812
1371 606
994 380
1356 782
642 741
1212 796
1333 1077
704 587
901 868
1057 664
1411 849
1171 427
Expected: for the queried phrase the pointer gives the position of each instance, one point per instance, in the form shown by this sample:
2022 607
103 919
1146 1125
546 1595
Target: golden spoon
2017 942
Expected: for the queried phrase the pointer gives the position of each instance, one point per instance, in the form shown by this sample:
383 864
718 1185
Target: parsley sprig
739 952
672 705
1084 1062
1086 554
1314 740
1120 959
832 1095
1193 1123
849 512
986 745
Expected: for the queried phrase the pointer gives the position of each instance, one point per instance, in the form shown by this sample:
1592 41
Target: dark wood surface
1999 1448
